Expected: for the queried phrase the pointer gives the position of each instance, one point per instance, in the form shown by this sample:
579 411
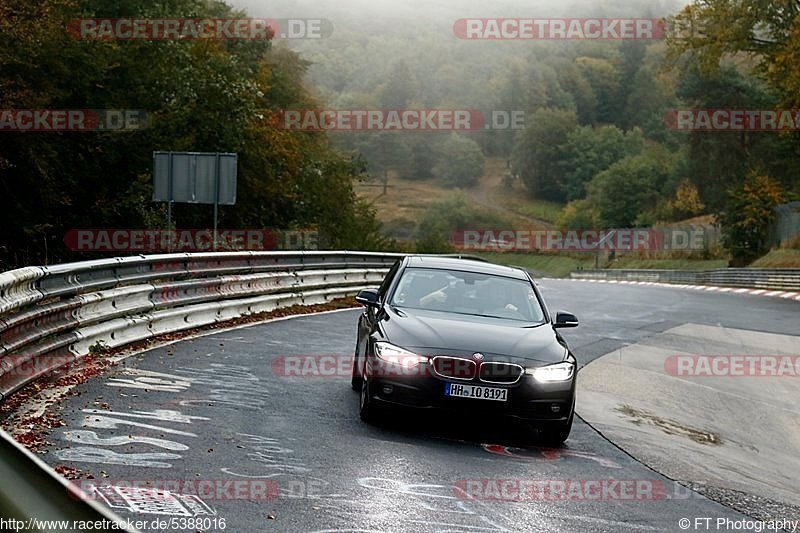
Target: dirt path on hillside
482 194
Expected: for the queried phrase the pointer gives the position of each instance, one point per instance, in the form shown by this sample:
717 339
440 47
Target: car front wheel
556 434
356 380
367 409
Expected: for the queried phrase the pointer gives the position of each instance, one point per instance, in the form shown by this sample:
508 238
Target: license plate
475 391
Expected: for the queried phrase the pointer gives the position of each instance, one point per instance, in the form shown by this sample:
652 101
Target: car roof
469 265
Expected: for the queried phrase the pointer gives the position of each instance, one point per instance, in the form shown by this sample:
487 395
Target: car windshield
468 293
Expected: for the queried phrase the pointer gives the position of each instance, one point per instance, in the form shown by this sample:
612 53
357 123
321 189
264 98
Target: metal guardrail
787 279
51 316
33 494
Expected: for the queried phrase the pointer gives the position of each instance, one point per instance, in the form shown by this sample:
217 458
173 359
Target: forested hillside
599 136
599 142
200 95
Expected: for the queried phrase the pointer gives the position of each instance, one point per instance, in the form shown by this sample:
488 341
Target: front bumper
528 399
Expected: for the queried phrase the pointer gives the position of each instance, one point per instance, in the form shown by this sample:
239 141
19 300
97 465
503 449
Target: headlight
552 373
396 355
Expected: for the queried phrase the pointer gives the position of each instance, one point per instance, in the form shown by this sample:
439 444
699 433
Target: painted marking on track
91 438
142 500
705 288
474 514
149 380
267 455
90 452
546 454
85 454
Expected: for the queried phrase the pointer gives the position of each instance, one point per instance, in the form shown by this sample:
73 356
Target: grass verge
782 258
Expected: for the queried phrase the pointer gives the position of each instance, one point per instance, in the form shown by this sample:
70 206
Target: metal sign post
195 178
169 206
216 200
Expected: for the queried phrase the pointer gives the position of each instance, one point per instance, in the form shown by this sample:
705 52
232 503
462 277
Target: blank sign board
194 177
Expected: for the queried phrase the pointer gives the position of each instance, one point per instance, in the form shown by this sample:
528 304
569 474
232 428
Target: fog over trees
599 124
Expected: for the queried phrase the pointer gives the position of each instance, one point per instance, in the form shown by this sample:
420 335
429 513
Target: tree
720 159
605 80
385 151
400 88
686 203
423 150
537 152
650 96
768 32
628 188
588 151
461 161
515 88
580 90
632 57
453 213
578 214
201 95
747 218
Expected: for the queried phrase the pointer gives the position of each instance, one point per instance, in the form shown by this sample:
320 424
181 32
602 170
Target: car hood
439 333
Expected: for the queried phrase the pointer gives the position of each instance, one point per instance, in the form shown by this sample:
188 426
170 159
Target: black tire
556 434
366 405
356 380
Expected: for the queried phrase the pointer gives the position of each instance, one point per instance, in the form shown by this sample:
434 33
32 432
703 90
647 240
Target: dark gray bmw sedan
452 333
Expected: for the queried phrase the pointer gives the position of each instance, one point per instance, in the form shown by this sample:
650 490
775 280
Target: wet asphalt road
217 412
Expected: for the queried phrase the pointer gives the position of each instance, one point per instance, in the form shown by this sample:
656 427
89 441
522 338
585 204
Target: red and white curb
787 295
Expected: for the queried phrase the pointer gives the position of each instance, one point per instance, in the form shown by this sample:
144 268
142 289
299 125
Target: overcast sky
452 9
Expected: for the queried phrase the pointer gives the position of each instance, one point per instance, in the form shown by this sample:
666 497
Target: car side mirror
565 320
368 297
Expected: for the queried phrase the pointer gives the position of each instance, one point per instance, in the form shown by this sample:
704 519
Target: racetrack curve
218 411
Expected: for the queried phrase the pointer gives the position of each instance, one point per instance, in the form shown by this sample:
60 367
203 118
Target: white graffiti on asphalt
271 458
149 380
96 418
463 512
99 419
222 385
91 438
